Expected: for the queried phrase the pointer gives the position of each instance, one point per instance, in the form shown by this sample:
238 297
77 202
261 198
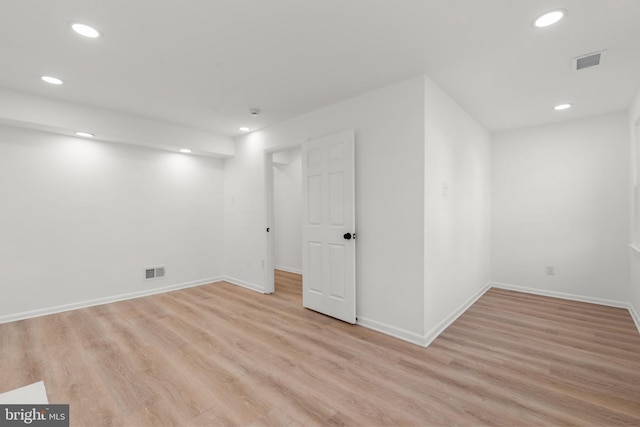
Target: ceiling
204 63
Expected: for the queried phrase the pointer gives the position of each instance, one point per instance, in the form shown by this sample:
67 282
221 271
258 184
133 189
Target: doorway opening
328 224
283 266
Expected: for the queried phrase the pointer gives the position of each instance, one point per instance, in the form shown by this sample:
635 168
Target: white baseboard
399 333
447 321
573 297
635 316
105 300
288 269
562 295
243 284
423 340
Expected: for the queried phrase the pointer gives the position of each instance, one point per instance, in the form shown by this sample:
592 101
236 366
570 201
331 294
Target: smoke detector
588 61
254 111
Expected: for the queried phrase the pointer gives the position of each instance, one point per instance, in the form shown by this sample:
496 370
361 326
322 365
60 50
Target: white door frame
635 175
269 216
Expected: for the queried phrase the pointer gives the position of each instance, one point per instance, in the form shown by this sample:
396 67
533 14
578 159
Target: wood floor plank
222 355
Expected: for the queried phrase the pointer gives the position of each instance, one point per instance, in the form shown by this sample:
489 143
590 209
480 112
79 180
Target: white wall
81 219
560 197
388 125
457 237
287 185
634 257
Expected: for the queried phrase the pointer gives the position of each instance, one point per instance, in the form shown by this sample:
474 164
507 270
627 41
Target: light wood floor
222 355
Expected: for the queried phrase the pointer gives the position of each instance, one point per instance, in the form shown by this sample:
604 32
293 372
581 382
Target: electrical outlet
551 270
263 264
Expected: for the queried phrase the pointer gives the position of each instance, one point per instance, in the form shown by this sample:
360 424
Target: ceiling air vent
154 273
590 60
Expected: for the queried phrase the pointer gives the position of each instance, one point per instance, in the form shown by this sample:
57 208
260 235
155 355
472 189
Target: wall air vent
588 61
154 273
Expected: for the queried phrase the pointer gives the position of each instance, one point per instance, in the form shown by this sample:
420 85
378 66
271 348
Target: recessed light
185 150
550 18
562 107
85 30
52 80
85 134
244 129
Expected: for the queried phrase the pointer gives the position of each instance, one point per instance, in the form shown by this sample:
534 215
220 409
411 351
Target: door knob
347 236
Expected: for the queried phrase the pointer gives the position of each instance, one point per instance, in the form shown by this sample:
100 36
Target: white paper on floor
34 394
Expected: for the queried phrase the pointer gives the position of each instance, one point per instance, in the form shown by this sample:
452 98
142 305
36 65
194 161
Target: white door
328 232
